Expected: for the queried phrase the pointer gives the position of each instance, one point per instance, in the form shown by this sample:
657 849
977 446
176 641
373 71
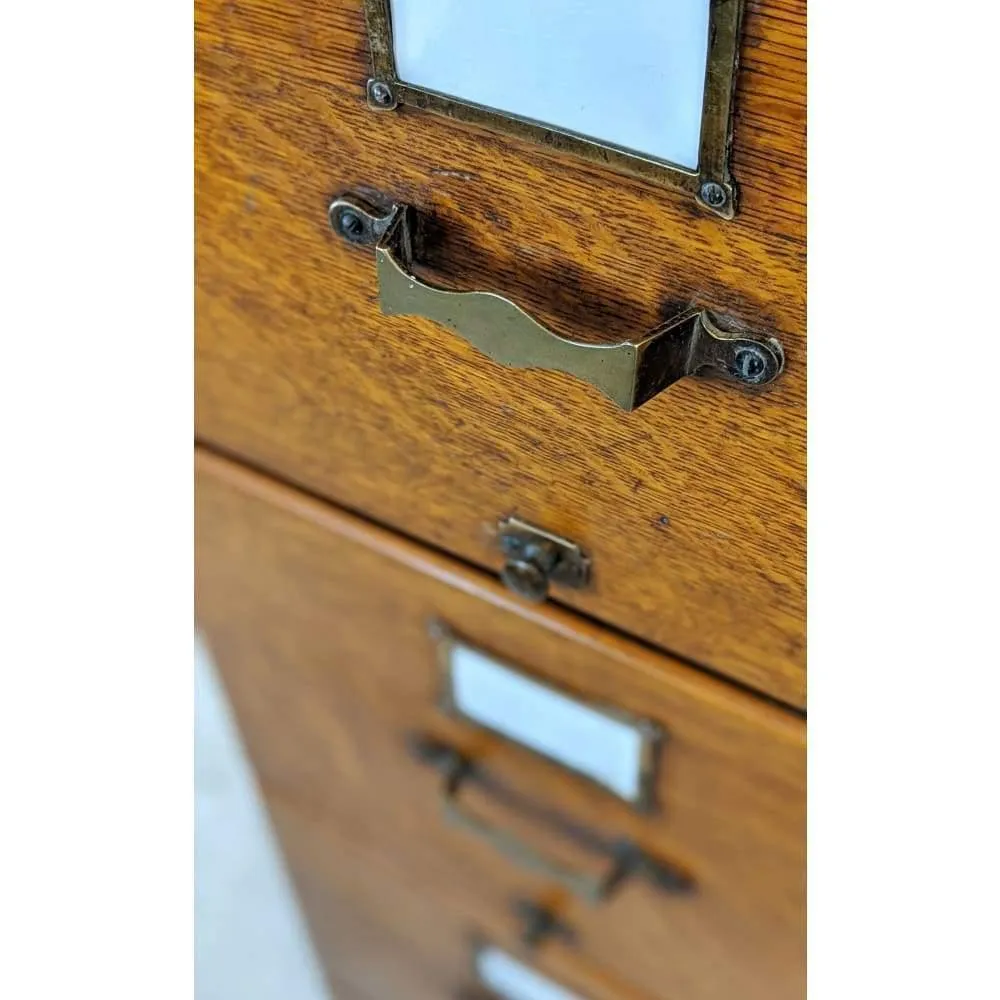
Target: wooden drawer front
692 507
320 626
407 924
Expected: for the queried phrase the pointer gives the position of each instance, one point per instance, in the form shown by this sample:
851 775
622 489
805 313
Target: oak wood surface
692 508
318 622
389 930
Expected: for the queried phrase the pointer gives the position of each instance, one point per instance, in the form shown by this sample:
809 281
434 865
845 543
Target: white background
251 940
95 555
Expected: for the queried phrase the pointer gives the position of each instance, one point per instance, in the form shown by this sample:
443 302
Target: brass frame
653 735
711 184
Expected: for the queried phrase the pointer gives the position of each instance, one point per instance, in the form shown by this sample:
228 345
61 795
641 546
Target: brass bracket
630 373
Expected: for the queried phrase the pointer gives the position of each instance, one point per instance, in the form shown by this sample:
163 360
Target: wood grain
693 507
319 624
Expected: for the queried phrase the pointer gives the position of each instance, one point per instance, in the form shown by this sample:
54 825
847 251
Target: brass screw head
751 365
381 93
351 224
713 194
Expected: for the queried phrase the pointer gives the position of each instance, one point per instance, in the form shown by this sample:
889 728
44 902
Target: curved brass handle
630 373
626 858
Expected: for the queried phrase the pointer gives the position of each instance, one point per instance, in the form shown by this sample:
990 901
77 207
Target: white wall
250 938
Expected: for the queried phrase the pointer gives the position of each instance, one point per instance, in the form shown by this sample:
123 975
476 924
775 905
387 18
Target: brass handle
630 373
626 858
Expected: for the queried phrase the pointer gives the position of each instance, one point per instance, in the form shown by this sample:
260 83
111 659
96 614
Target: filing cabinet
691 507
329 636
500 485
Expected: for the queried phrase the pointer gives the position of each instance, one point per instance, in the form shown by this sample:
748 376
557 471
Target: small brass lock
535 558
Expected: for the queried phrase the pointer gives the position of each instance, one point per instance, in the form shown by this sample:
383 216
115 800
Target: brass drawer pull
630 373
626 859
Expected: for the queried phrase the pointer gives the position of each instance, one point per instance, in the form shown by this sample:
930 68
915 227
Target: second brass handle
625 858
630 372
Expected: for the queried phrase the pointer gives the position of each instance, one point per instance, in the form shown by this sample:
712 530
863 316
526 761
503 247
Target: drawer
319 623
387 929
691 507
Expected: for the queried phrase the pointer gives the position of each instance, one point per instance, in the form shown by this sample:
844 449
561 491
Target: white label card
609 750
511 980
630 73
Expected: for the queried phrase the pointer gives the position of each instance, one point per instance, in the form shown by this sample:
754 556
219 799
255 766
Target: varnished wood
692 508
319 624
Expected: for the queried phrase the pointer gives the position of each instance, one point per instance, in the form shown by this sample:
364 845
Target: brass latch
535 557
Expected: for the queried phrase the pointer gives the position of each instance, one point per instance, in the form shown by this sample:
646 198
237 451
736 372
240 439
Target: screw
437 630
713 194
351 224
751 365
381 93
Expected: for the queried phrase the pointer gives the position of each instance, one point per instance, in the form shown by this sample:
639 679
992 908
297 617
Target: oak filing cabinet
500 483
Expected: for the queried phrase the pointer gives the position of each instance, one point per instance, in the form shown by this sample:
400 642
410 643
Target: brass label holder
633 776
711 184
630 372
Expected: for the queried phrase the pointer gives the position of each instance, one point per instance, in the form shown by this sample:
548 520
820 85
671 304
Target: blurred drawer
392 927
691 508
319 623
